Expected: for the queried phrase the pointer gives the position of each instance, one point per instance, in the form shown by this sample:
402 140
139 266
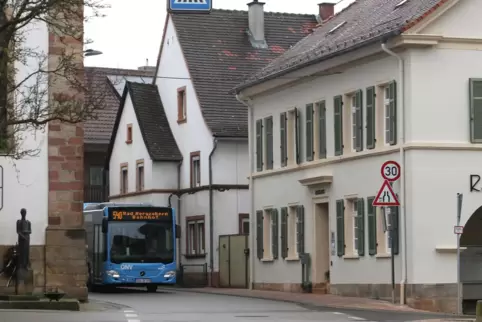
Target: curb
104 306
443 316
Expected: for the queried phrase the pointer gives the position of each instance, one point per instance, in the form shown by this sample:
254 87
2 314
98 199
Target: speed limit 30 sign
390 171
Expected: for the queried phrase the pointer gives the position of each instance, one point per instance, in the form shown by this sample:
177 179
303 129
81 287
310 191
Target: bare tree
27 72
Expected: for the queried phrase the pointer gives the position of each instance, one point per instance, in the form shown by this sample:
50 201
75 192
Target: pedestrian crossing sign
190 6
386 197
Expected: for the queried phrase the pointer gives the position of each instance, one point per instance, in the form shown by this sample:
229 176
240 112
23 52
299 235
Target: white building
202 57
381 80
48 183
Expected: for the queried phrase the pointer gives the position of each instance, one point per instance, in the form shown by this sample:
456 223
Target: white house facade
410 93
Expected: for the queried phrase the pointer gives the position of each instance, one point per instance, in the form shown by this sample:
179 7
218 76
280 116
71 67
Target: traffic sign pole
459 286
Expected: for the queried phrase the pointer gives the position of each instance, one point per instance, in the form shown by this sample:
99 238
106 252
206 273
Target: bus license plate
143 280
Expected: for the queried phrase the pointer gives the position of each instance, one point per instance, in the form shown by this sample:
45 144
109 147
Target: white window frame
124 184
354 215
291 125
292 232
197 233
353 122
196 170
386 115
267 234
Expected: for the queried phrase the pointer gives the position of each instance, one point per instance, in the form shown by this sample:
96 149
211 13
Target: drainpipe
252 219
401 115
211 210
179 210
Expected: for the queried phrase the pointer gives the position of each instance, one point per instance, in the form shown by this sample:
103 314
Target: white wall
25 182
123 152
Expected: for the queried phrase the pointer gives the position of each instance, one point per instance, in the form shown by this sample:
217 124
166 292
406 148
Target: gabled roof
219 55
362 23
102 83
152 122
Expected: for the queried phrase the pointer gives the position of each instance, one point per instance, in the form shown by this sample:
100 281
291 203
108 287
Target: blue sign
187 6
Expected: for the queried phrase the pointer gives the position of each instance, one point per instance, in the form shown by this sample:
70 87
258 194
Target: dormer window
129 134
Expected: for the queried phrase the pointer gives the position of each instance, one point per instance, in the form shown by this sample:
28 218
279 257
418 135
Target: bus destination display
135 214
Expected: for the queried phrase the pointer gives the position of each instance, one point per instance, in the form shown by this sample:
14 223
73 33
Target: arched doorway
471 262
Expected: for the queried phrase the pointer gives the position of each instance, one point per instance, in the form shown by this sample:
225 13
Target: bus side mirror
178 231
104 225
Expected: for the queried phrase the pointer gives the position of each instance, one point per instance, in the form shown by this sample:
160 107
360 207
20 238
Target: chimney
327 10
256 20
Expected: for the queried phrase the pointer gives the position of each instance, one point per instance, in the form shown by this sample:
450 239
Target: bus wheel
152 288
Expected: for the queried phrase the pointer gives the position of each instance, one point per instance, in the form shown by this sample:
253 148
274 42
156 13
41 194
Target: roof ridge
292 14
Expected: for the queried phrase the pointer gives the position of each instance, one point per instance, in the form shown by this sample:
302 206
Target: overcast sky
131 32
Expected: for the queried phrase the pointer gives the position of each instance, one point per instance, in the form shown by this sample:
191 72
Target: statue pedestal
25 282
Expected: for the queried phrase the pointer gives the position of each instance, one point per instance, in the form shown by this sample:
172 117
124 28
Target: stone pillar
65 254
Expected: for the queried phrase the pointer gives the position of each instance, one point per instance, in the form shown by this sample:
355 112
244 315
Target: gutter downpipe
211 211
401 102
252 221
178 214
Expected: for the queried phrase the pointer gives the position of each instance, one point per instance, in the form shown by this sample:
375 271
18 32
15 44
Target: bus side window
178 231
104 225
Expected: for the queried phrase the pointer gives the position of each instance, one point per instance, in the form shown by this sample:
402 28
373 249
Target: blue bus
130 245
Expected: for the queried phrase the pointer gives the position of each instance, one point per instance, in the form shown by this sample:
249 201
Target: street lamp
92 52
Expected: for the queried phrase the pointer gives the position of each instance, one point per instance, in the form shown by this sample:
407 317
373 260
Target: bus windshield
141 242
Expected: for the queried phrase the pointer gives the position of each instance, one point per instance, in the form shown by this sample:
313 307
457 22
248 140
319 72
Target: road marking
128 311
131 315
351 317
133 320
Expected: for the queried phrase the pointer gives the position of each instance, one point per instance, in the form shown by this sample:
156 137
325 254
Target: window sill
128 141
351 257
292 258
190 256
267 259
181 121
383 255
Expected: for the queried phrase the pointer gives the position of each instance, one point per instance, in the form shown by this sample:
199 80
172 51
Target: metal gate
233 261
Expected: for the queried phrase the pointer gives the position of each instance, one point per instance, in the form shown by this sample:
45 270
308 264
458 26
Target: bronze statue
24 229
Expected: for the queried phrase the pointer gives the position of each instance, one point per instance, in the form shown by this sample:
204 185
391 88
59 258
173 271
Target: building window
96 176
129 134
267 234
124 184
371 118
195 244
338 124
283 139
140 175
356 121
390 113
195 169
181 105
243 224
354 224
475 98
321 129
350 226
268 155
293 137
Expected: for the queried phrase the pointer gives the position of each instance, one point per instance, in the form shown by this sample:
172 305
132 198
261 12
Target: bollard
478 312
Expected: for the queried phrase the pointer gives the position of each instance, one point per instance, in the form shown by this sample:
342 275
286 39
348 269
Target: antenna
147 61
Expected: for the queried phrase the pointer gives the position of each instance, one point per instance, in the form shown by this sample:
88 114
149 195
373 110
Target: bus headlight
113 274
170 274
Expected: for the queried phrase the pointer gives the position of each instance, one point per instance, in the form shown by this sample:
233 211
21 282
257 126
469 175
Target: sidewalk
317 300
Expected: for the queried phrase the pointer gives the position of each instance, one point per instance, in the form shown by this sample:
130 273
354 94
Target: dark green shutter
309 132
340 227
475 92
284 232
338 108
274 233
361 226
371 121
359 121
269 142
394 217
283 140
321 130
259 145
300 229
297 136
393 112
259 234
372 227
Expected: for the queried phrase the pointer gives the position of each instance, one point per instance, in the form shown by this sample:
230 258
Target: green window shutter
393 112
297 136
300 229
259 145
371 122
359 121
269 142
340 227
321 130
395 229
283 140
475 92
372 227
361 226
284 232
259 234
309 132
275 233
338 102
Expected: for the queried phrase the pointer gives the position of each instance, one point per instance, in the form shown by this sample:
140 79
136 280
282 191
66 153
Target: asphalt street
174 306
